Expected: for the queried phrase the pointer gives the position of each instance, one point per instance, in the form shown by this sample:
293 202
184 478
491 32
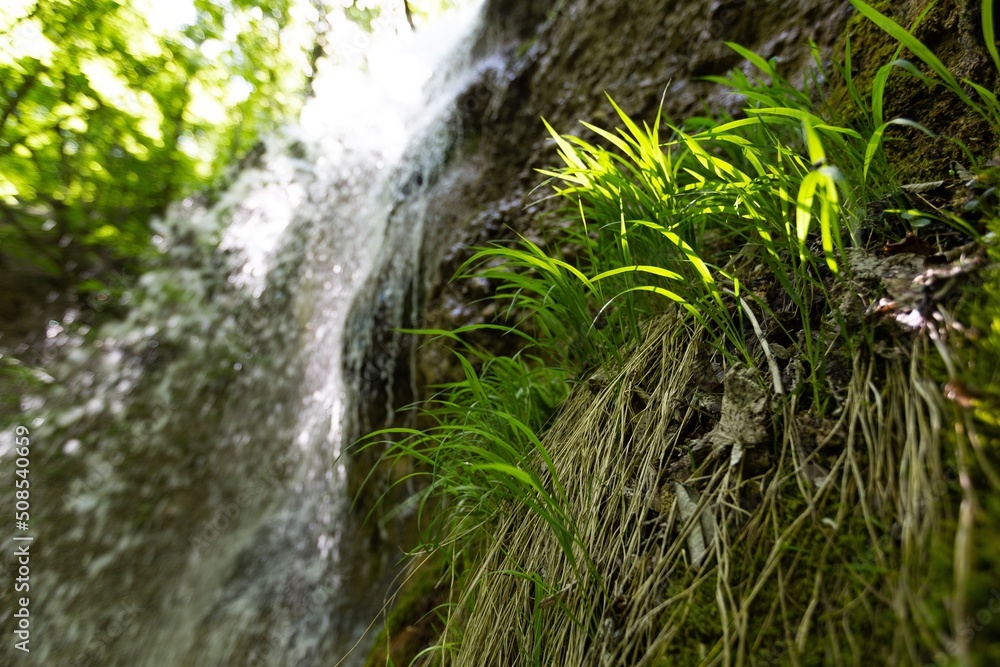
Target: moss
951 30
702 626
975 402
525 46
413 622
850 583
982 618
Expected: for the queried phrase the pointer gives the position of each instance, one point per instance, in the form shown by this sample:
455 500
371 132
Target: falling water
186 506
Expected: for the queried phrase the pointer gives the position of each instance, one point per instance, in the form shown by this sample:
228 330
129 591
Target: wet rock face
640 52
554 59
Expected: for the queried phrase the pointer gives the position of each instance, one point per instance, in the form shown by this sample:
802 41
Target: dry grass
821 557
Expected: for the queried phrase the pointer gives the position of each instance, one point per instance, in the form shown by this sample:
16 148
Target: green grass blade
629 123
989 35
817 154
803 207
749 55
915 46
829 217
638 268
874 143
566 150
878 92
992 104
613 139
673 296
623 236
904 64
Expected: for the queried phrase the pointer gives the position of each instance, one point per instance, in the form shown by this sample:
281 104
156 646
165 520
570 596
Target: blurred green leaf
105 119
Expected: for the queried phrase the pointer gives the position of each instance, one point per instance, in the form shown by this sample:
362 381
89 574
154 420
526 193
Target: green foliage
106 119
16 381
682 219
482 452
421 10
370 14
364 14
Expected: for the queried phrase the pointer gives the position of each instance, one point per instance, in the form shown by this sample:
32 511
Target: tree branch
409 14
19 94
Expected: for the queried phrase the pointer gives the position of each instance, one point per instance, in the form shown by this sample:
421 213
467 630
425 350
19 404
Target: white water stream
187 509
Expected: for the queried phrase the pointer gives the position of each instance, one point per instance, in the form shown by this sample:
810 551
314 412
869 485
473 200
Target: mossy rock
952 31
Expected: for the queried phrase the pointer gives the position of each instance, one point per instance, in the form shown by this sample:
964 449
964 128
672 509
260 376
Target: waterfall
187 509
